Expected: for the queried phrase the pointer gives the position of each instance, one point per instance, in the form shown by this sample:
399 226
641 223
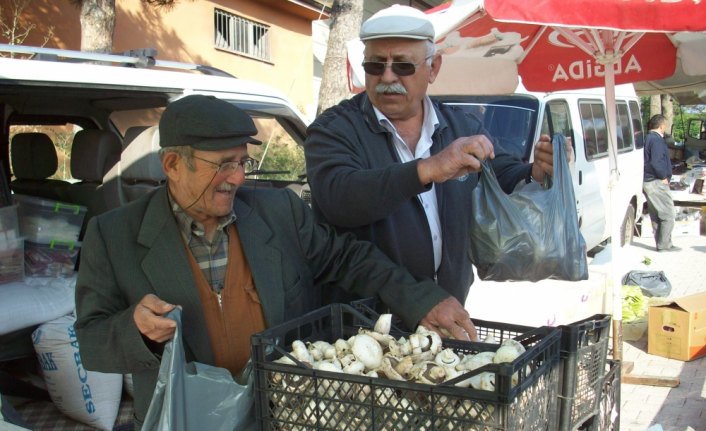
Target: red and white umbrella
560 45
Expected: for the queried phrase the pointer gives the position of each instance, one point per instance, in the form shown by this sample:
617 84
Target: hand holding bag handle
531 234
197 396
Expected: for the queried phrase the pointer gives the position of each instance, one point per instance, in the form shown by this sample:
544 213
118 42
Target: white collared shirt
423 151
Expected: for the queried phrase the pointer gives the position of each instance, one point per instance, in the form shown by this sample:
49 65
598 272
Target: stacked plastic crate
589 389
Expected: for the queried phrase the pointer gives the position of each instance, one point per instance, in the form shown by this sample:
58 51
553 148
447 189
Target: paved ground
684 407
550 302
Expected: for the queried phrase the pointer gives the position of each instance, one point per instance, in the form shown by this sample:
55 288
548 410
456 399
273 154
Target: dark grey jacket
658 166
359 185
137 249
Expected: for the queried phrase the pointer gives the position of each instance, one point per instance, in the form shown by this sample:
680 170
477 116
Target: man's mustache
395 88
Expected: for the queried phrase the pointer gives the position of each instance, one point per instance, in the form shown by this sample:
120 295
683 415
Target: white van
79 128
61 93
517 120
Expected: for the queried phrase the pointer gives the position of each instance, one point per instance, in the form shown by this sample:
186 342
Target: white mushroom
404 365
506 353
285 360
415 341
431 340
388 371
342 347
423 356
327 366
355 367
400 348
451 373
316 354
300 352
327 350
347 359
487 382
428 372
383 324
490 339
384 339
447 358
367 350
473 362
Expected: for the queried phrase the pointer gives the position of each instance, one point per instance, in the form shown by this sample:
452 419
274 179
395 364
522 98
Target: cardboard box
687 228
677 329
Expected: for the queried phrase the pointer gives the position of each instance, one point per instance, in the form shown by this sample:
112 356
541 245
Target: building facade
264 40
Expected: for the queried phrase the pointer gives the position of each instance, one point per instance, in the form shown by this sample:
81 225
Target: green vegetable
634 303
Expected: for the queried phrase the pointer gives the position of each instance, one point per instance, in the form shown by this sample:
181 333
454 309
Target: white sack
86 396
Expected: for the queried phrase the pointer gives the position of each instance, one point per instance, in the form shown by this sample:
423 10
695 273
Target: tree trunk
346 17
655 105
668 111
97 25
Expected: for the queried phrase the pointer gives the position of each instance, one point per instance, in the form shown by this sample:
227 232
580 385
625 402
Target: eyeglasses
248 165
399 68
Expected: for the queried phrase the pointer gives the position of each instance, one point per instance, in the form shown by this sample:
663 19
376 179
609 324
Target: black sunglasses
399 68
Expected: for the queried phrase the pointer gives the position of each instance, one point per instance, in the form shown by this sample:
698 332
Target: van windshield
510 119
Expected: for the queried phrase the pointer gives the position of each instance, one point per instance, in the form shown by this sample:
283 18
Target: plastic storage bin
296 396
11 246
9 227
11 260
55 259
584 352
43 221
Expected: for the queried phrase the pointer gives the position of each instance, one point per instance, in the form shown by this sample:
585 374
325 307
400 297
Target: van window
123 120
625 135
636 122
61 135
557 119
281 158
595 133
509 119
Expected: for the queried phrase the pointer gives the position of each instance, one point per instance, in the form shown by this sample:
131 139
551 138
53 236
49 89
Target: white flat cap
398 21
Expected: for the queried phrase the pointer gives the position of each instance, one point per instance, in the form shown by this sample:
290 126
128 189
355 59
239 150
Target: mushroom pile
419 358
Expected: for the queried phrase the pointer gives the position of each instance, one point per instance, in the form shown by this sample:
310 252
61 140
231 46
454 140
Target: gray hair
431 51
184 151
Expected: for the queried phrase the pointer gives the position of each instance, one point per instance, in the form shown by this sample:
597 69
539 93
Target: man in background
655 184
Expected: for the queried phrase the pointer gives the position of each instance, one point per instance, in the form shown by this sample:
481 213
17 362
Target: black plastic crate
608 416
584 351
298 397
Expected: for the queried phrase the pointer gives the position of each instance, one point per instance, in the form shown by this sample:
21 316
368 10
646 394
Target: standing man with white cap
397 168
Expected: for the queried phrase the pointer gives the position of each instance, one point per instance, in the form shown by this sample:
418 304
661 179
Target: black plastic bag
531 234
197 396
652 283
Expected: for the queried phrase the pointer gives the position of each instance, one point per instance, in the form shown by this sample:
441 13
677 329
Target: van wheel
627 230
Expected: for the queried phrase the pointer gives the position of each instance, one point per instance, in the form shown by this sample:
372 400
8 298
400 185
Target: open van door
695 138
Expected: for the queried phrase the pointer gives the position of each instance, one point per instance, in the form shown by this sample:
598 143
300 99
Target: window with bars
237 34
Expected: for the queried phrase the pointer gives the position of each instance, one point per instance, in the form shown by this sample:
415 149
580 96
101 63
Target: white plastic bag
197 396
